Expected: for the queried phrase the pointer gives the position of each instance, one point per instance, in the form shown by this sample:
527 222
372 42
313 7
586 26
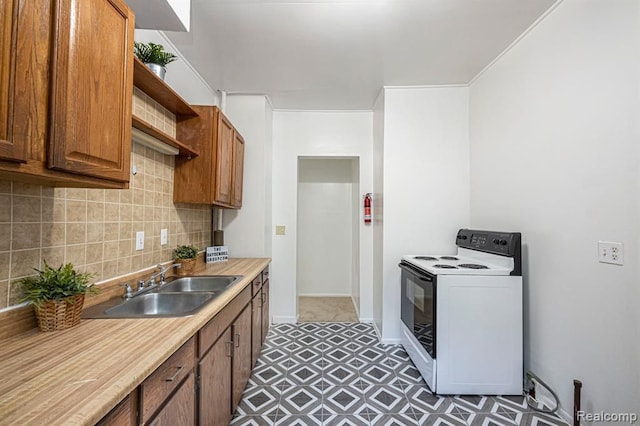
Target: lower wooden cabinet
214 373
241 364
180 408
203 381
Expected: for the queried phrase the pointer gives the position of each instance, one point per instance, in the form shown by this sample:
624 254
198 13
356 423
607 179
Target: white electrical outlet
163 237
140 240
611 252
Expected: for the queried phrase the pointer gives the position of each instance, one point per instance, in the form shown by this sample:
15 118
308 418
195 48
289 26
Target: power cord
530 393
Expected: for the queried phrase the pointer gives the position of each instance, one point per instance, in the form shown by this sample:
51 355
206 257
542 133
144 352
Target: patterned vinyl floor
339 374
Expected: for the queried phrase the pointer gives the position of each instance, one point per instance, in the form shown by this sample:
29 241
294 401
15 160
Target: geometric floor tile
339 374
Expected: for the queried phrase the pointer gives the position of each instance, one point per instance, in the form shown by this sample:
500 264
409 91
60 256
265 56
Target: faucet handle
141 284
128 291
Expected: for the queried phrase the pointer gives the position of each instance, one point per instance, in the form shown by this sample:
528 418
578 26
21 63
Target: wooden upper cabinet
238 170
224 163
92 86
215 176
10 149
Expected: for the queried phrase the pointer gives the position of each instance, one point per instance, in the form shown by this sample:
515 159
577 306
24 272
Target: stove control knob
462 237
496 241
503 242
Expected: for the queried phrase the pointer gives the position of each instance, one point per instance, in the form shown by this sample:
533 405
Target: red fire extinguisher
367 207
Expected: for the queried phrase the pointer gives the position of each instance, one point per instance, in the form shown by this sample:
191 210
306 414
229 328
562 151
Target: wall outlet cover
163 237
140 240
611 252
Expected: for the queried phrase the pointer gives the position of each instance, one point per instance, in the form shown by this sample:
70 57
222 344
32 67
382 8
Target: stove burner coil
445 266
425 258
472 266
449 258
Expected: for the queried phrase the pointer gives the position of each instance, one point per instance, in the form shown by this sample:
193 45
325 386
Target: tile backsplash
95 228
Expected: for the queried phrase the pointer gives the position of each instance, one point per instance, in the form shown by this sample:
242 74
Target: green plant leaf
185 252
56 283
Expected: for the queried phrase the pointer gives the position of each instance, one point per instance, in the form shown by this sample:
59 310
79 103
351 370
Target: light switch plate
280 229
140 240
163 237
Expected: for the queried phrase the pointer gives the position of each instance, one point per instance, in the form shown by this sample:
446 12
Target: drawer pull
175 376
229 349
237 340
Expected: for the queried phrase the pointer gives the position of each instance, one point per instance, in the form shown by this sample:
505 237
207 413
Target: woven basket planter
187 268
60 314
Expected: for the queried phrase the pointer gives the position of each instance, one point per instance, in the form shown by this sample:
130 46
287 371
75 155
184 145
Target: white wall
181 76
310 134
357 213
554 128
325 227
244 229
426 182
377 212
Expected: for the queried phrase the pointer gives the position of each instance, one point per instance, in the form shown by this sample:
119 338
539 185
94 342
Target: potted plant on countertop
185 255
57 295
154 57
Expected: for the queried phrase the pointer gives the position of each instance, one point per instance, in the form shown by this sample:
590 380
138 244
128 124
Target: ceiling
338 54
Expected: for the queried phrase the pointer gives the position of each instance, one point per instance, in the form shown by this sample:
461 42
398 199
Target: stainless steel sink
152 305
206 283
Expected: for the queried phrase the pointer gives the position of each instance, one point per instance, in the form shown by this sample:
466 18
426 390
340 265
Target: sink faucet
162 274
149 284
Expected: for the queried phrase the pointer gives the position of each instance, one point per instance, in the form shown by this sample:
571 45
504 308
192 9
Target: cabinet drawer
218 324
157 387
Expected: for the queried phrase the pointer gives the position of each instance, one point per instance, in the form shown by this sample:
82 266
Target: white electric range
462 315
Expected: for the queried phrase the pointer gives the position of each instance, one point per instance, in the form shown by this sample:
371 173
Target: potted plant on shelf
185 255
154 57
57 295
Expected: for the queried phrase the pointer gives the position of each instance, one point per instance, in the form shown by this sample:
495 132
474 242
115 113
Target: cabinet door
10 149
265 309
238 169
180 409
92 86
224 160
241 355
125 413
214 369
256 327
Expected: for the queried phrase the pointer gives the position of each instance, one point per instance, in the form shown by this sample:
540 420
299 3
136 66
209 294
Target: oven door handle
415 272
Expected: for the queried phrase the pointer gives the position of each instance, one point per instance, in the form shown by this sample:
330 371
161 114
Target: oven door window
418 307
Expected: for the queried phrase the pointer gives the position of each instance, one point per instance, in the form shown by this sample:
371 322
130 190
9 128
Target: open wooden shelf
185 151
157 89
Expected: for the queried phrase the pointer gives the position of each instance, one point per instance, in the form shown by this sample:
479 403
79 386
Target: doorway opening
328 237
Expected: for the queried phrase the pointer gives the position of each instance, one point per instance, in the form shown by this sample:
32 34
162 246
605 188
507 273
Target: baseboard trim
324 295
276 319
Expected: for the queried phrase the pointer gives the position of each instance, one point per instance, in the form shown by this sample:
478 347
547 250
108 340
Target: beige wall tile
25 236
75 254
126 214
95 232
95 212
96 270
53 255
76 233
53 234
112 211
4 267
109 269
5 236
76 194
5 211
23 262
95 194
126 231
15 292
126 196
5 187
20 188
125 247
124 265
94 252
112 195
26 209
110 250
76 211
4 294
111 231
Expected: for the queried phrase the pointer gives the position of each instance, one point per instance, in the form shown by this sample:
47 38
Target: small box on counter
217 254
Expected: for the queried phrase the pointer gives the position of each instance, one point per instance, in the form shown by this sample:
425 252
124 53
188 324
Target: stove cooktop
464 263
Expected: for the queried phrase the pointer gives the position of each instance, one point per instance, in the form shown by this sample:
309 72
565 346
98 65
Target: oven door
418 305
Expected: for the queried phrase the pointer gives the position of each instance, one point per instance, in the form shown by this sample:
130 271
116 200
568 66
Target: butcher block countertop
76 376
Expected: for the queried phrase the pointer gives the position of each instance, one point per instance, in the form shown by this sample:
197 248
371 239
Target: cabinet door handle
177 373
237 340
229 349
